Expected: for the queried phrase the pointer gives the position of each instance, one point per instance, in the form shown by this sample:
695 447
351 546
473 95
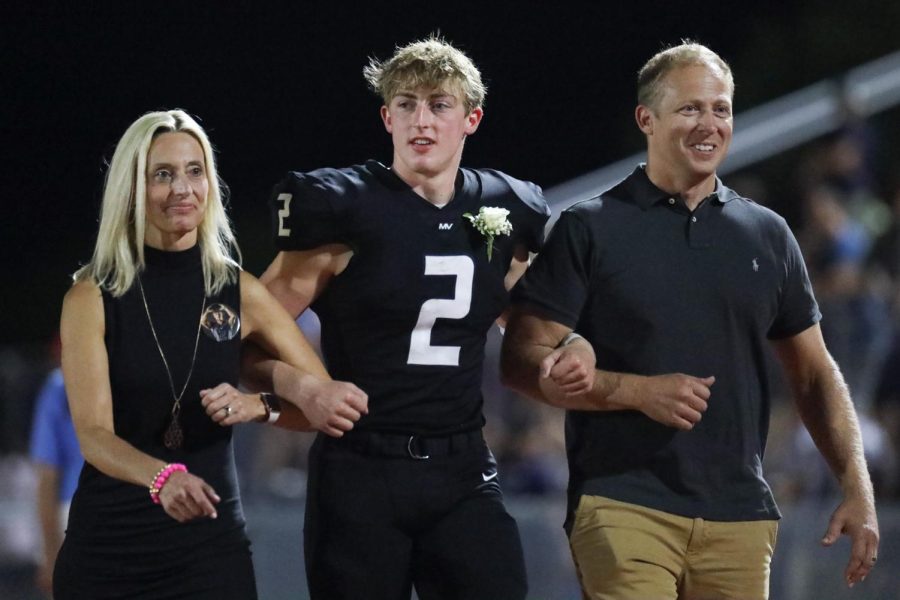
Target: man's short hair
429 63
688 54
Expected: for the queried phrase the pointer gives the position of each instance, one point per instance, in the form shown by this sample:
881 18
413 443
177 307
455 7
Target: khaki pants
627 552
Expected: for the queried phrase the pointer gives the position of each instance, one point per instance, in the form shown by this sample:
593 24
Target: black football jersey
406 321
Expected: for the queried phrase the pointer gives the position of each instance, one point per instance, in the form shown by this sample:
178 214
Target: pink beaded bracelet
161 477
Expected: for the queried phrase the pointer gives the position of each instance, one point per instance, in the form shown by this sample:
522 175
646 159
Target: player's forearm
533 343
293 419
521 370
527 341
260 372
294 385
827 411
256 368
520 361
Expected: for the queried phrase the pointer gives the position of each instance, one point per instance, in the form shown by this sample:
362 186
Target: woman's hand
185 497
228 406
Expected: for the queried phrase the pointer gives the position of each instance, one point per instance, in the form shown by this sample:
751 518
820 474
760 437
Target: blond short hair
431 63
689 53
119 252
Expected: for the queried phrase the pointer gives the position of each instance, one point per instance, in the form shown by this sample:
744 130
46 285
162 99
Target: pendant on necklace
174 436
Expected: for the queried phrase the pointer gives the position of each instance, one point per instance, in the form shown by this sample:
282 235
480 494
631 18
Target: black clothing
659 289
118 543
406 321
386 523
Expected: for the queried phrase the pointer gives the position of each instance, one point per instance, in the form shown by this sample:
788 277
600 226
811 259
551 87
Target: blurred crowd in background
846 214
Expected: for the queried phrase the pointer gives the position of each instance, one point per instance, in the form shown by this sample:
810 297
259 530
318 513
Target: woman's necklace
174 435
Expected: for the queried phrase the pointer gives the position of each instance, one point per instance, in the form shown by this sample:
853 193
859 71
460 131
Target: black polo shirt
659 289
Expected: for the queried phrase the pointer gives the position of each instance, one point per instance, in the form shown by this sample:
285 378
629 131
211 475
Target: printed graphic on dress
220 322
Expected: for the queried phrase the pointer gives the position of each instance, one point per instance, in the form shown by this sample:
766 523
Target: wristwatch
272 404
570 337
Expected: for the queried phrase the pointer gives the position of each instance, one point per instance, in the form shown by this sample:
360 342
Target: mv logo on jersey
445 226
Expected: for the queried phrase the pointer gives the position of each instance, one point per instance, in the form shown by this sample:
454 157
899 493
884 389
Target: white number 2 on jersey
284 213
421 352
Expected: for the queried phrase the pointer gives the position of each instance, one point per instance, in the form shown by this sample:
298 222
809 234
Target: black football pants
379 521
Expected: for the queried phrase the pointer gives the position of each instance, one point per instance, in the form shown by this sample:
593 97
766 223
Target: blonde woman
151 334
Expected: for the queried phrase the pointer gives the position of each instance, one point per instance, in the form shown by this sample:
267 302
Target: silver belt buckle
412 453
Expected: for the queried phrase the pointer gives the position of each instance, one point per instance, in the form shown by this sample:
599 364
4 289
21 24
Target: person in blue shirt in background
57 460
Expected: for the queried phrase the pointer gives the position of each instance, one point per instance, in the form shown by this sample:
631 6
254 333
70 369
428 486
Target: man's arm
295 279
529 345
533 364
826 409
517 268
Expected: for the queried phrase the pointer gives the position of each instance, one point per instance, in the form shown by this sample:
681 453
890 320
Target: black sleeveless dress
119 544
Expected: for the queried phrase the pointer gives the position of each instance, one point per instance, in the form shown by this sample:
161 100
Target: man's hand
676 400
856 518
332 407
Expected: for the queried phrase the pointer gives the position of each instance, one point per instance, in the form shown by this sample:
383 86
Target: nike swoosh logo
488 476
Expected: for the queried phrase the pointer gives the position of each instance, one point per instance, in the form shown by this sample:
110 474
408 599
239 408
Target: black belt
401 445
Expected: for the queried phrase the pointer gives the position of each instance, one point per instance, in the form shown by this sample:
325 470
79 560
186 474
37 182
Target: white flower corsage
490 222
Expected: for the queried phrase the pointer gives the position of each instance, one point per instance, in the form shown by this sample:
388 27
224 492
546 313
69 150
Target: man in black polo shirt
677 284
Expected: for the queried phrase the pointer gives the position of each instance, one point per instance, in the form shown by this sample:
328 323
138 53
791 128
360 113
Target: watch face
273 406
273 401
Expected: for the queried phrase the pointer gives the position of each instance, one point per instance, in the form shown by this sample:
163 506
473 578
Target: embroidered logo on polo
755 265
445 226
220 322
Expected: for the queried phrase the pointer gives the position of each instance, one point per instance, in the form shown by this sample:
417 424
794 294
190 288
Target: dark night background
282 89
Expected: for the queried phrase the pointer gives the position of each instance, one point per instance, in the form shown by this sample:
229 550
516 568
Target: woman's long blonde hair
119 251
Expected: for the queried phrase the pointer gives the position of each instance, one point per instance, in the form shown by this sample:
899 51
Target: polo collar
646 194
